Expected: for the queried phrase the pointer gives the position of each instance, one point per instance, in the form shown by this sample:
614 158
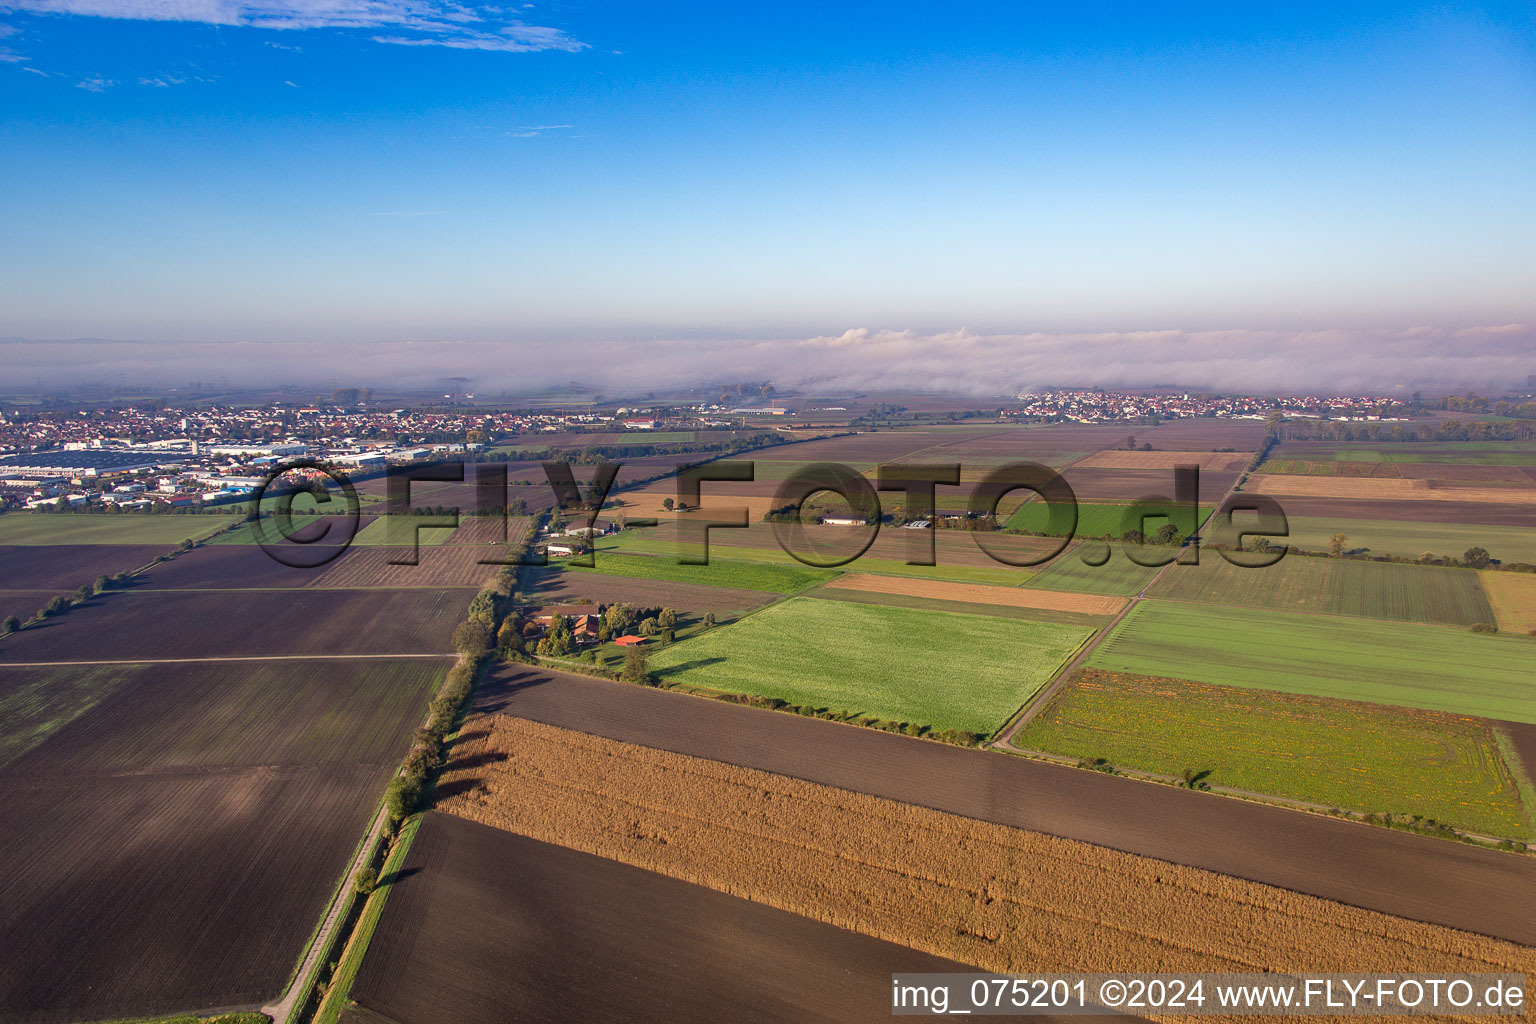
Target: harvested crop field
971 593
177 829
1384 490
1334 586
878 661
1432 668
203 624
460 943
1213 461
248 567
1359 757
912 875
65 567
1394 872
560 586
1513 596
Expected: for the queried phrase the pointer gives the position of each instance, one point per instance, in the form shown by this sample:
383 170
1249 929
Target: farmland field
720 572
1118 577
573 586
1384 489
848 859
1409 539
878 661
1513 596
1093 520
165 531
1212 461
970 593
1472 889
194 624
956 553
1469 453
1359 757
65 567
1432 668
1377 590
184 825
459 943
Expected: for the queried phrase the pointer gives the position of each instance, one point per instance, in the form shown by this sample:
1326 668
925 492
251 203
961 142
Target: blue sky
364 170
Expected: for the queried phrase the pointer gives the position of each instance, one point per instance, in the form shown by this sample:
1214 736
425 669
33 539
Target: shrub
403 797
12 624
366 881
1484 627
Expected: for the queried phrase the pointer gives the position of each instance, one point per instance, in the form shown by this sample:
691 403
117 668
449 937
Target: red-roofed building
630 641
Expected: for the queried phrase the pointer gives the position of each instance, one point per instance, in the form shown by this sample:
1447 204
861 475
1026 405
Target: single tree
366 881
709 619
10 625
636 667
472 638
666 618
1336 544
667 504
1477 557
101 584
647 627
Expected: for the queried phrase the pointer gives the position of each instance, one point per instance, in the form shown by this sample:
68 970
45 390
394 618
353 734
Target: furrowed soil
971 891
203 624
970 593
461 943
176 830
66 567
1394 872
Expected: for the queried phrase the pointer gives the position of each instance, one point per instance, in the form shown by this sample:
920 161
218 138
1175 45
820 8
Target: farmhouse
841 521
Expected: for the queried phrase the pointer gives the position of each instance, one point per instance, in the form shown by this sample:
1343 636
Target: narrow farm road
283 1008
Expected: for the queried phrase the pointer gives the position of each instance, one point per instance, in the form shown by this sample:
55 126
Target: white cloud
409 22
95 84
163 81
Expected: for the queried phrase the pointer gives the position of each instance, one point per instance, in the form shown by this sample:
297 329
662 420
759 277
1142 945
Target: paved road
1400 873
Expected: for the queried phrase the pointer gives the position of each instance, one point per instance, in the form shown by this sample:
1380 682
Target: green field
170 529
639 543
396 531
1376 590
1433 668
1118 577
720 572
1094 519
897 664
1407 539
1358 757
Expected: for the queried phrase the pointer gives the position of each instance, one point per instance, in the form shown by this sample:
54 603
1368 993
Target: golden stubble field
999 898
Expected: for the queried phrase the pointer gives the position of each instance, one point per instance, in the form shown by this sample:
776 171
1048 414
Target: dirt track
1398 873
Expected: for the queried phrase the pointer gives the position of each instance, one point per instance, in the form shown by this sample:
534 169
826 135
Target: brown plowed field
972 891
1452 473
201 624
1393 872
973 593
364 566
65 567
25 603
552 586
1212 461
1385 490
487 927
172 842
437 565
951 547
